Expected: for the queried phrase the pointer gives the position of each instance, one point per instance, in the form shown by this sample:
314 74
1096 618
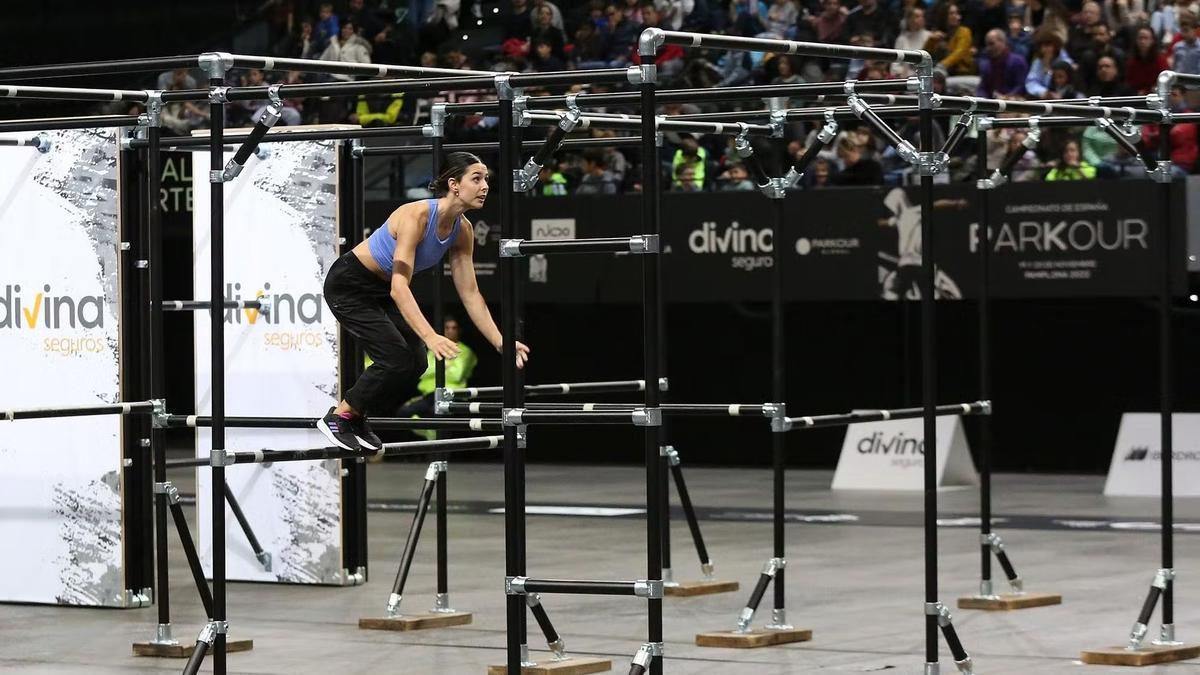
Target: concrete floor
856 584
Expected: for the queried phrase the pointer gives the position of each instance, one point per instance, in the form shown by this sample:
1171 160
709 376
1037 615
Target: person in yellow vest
458 371
689 156
1071 166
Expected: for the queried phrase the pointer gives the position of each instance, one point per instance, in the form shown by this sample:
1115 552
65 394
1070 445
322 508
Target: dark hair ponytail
454 168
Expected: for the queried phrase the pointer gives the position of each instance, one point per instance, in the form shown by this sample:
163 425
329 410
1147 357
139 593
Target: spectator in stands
1185 55
856 169
950 44
1020 36
830 24
1165 21
377 110
1001 72
596 180
328 27
1145 62
781 19
819 175
552 181
735 178
983 16
1108 79
177 79
670 58
588 45
1047 50
518 21
1007 142
368 21
240 113
348 47
1079 38
693 157
622 38
544 30
182 117
1101 46
1062 82
1049 15
1070 165
686 181
913 37
543 59
1183 136
556 15
873 20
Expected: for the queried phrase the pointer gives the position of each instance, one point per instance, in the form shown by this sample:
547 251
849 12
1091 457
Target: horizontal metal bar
630 122
1046 108
566 586
896 106
669 409
642 243
707 41
125 408
72 93
388 450
377 423
98 67
814 421
49 123
1025 122
1109 100
284 135
344 68
560 389
386 150
434 85
605 75
198 305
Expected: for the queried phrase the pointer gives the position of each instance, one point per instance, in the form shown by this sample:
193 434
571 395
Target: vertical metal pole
1166 363
985 370
158 445
359 468
514 510
439 379
650 306
929 387
777 395
217 311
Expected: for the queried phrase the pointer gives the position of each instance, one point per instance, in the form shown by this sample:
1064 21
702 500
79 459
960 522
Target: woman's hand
441 346
522 354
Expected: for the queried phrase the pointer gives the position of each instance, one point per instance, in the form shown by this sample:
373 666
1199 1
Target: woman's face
545 15
472 188
1071 154
1106 69
953 16
785 67
1059 78
916 20
1047 50
1144 40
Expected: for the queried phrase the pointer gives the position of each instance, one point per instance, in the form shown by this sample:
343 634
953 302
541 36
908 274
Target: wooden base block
1006 601
685 589
752 639
184 650
572 665
417 621
1145 656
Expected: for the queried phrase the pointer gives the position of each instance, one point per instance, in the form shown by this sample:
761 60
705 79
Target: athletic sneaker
338 430
362 431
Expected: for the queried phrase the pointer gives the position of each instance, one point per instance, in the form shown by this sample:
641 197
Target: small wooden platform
752 639
184 649
1145 656
687 589
1007 601
416 621
573 665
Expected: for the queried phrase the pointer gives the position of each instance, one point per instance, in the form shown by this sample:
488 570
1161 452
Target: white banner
60 479
1136 467
280 241
891 456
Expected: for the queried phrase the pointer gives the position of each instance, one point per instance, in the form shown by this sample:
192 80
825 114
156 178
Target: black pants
363 305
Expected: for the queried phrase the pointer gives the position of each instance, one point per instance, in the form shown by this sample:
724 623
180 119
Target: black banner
1050 240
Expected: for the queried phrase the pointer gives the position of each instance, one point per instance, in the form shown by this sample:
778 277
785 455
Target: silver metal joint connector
264 559
940 611
441 604
985 589
932 669
526 662
647 417
744 619
774 565
643 243
169 490
437 119
504 89
441 407
778 620
162 635
216 64
219 457
706 569
393 604
559 649
511 248
515 585
1136 635
511 417
992 541
435 468
1166 636
208 634
651 589
1017 585
668 578
966 667
1162 577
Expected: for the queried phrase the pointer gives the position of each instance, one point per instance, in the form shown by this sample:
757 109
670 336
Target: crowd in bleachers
1009 49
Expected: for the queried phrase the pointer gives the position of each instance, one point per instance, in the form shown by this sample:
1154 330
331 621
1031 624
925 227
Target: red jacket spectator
1183 143
1142 75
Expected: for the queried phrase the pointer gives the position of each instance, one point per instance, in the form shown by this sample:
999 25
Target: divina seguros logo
752 246
903 451
300 312
49 311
